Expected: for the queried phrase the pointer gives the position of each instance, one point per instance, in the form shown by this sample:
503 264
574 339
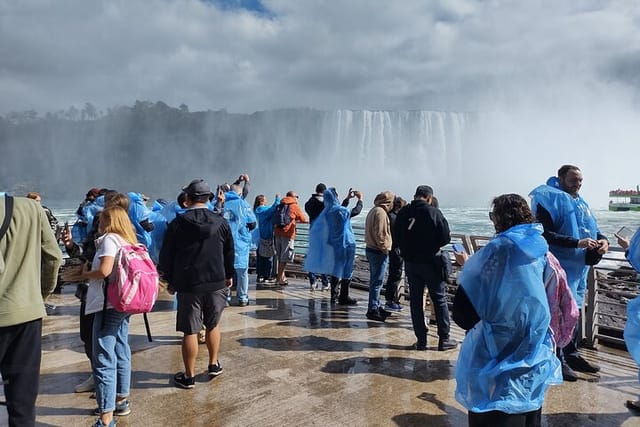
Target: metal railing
610 285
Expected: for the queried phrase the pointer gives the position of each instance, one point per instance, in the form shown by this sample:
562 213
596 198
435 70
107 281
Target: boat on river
624 200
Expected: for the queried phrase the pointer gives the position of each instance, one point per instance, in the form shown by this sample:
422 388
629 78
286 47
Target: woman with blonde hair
111 351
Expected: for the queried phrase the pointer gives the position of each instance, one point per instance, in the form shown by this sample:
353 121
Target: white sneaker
86 385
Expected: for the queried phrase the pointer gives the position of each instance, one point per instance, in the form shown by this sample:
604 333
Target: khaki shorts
284 248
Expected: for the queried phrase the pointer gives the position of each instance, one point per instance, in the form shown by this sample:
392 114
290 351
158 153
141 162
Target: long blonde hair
114 219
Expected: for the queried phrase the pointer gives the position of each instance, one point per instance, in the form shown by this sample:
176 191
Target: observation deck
291 358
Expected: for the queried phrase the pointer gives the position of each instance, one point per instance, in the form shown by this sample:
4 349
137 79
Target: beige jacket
377 225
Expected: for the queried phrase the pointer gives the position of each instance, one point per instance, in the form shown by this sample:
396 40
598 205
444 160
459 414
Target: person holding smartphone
571 230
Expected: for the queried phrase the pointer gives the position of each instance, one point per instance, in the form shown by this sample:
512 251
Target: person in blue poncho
571 230
84 222
139 214
632 328
332 247
507 359
242 220
266 251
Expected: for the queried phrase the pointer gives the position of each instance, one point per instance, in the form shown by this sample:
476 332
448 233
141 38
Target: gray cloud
553 81
463 55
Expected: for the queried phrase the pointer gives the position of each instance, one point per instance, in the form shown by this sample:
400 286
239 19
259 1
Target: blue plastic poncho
507 361
571 217
138 212
157 234
158 205
91 210
634 251
238 214
264 214
332 244
84 224
632 329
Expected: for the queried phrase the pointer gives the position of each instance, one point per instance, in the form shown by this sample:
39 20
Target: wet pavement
292 359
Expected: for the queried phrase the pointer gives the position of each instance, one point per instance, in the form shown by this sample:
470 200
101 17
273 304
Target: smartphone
458 248
625 233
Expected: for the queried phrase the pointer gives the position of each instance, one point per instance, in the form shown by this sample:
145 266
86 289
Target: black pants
502 419
394 275
570 349
429 276
20 355
86 331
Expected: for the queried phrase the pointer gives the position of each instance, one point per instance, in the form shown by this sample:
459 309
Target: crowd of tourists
519 296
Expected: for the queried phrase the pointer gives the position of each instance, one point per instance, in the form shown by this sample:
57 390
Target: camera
352 193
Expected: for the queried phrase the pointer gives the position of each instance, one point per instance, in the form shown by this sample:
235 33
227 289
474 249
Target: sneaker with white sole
183 381
85 386
215 369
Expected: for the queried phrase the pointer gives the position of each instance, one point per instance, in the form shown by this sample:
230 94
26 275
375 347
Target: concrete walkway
292 359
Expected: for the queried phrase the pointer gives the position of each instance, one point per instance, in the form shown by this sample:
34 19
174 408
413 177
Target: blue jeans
242 284
377 268
429 275
323 279
111 358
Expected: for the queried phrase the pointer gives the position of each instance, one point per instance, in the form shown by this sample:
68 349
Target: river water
462 220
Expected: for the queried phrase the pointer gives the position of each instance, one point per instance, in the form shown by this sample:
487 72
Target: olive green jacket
29 262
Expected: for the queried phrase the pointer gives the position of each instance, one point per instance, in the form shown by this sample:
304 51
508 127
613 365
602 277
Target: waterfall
157 151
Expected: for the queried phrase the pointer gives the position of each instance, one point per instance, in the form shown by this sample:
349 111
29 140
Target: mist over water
468 157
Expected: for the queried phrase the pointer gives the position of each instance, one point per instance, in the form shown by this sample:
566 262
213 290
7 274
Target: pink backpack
133 284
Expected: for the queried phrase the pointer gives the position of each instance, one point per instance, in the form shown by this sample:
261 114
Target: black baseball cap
197 187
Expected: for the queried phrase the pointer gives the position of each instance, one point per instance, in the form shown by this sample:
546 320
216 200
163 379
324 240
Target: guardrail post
590 322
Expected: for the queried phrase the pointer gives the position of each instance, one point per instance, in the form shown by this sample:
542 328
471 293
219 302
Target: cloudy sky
248 55
556 81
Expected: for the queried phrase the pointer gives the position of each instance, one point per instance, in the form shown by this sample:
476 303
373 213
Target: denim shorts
197 309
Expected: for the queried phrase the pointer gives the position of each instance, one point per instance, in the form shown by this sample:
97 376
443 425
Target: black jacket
314 206
421 230
197 252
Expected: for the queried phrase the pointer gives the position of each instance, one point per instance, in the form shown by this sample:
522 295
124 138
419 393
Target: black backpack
281 217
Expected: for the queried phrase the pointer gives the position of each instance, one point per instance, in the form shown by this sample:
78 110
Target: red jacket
296 214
